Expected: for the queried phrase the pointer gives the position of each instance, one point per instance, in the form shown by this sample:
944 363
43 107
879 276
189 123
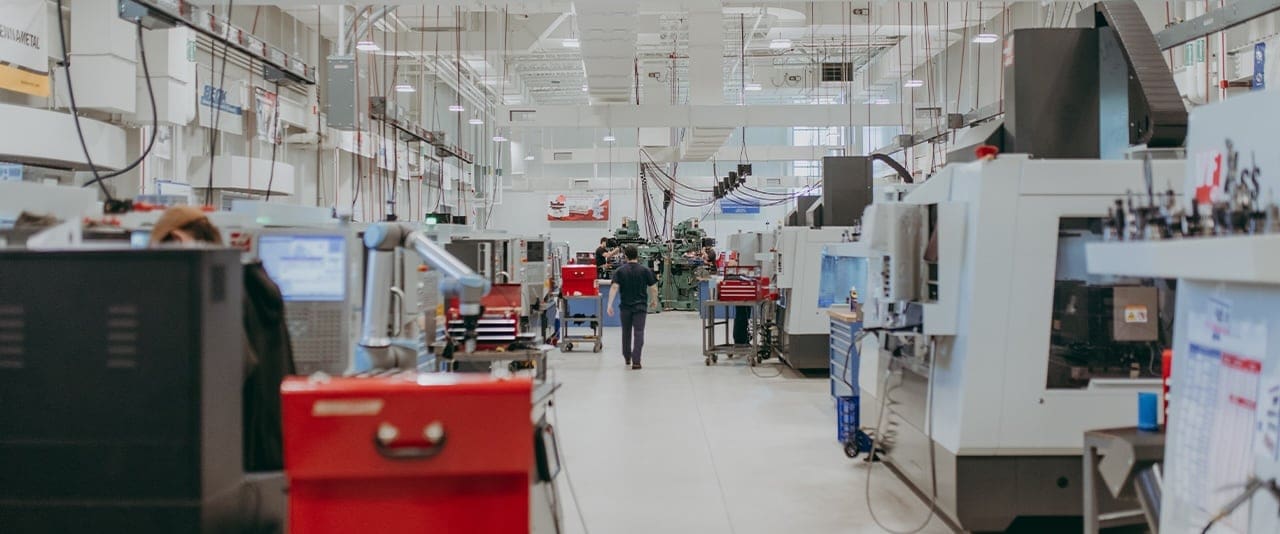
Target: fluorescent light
457 108
367 46
780 43
752 87
985 38
571 42
584 88
529 158
499 139
609 139
880 101
476 122
404 88
913 83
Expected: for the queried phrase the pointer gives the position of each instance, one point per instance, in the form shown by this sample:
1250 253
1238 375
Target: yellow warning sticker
1135 313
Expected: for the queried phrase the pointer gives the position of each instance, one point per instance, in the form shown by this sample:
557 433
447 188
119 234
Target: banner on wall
739 207
24 52
267 109
578 207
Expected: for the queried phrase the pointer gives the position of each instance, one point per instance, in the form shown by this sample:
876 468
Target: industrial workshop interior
639 267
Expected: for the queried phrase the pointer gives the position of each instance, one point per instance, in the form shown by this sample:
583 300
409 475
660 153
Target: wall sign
739 207
217 98
24 50
267 114
1259 65
578 207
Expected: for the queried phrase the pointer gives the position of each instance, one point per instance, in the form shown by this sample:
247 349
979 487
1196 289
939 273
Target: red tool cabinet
408 453
578 281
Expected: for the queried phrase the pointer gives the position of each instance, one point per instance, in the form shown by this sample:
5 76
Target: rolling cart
571 327
711 349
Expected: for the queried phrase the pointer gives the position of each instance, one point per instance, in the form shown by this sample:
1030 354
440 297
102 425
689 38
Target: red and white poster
578 207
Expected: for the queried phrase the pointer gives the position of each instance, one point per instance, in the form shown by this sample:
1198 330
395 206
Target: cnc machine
989 348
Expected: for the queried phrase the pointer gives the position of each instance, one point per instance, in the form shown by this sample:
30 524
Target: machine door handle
386 435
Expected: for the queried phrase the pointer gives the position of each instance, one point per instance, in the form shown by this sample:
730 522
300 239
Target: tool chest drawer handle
386 434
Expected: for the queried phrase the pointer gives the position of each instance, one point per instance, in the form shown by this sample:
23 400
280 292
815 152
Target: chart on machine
1216 405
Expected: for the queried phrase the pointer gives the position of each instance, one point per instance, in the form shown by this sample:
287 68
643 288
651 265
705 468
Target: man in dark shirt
637 284
603 254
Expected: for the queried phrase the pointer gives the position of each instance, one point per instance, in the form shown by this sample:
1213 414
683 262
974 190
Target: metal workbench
1120 459
711 350
570 329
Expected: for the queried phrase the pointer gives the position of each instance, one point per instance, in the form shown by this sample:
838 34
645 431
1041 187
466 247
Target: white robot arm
381 240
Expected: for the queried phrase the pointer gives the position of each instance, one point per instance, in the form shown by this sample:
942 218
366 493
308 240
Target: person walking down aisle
637 284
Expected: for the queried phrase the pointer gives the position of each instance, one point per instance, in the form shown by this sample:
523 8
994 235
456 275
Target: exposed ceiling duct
706 78
607 32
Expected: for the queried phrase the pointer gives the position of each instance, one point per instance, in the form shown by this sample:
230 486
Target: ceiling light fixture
609 139
499 139
367 46
457 108
476 122
529 158
571 42
880 101
780 43
913 84
752 87
584 88
404 88
985 38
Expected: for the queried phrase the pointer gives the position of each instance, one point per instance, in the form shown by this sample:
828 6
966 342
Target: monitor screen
306 267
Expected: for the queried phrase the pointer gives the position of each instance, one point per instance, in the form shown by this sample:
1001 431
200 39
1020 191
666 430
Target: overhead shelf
1245 259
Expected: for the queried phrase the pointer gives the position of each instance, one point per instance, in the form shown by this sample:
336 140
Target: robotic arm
381 241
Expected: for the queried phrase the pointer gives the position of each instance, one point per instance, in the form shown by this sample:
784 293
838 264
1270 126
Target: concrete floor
679 447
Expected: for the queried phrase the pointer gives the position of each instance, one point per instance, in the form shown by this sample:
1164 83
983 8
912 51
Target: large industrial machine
120 395
1221 460
990 349
682 266
316 269
804 333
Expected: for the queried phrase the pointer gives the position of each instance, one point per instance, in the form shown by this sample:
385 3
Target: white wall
525 212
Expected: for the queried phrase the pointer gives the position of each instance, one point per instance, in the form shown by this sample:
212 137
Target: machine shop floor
680 447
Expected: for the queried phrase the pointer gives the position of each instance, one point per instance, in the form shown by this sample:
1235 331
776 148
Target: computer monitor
314 269
307 267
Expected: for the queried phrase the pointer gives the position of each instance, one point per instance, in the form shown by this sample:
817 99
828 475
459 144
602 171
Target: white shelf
1243 259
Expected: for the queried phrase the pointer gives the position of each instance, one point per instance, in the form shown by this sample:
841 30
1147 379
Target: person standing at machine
637 284
268 354
603 255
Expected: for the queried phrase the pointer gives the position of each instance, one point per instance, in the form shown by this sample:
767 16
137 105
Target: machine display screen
306 267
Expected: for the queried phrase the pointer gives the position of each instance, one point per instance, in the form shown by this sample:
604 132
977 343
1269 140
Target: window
806 169
817 136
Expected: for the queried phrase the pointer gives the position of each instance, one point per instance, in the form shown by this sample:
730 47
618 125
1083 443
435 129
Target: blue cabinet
844 356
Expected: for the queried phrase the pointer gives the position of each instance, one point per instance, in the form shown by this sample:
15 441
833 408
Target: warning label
1135 314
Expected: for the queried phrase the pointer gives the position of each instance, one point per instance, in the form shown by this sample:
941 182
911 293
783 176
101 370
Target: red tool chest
742 284
408 453
578 281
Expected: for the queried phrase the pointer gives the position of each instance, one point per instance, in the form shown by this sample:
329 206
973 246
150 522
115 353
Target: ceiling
521 50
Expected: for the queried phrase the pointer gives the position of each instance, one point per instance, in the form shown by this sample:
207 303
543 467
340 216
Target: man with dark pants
637 285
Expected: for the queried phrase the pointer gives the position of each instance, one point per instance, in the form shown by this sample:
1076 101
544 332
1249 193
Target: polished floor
680 447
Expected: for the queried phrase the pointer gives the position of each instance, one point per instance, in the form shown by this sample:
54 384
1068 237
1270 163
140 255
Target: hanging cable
98 177
217 98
